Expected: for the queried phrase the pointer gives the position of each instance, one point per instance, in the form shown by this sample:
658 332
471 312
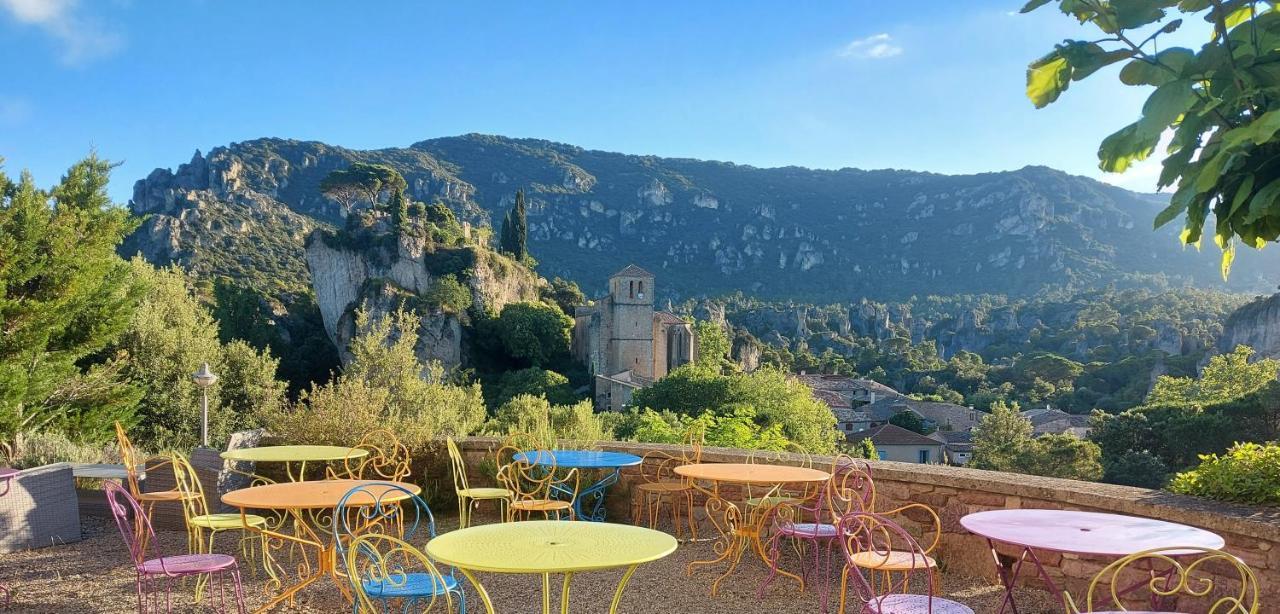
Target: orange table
741 530
311 506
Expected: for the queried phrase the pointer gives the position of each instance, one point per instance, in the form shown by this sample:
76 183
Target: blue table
610 462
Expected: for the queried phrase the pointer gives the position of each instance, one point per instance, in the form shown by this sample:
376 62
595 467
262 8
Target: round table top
319 494
288 454
8 472
748 473
549 546
1086 532
582 459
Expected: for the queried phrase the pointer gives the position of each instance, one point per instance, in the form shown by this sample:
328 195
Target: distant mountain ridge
704 228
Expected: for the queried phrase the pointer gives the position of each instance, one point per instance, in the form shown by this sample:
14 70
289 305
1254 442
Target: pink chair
812 523
873 535
141 539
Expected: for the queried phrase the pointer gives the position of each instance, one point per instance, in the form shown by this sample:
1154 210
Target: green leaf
1167 66
1033 5
1165 105
1086 58
1192 6
1263 203
1126 146
1177 204
1135 13
1242 194
1047 78
1211 173
1239 16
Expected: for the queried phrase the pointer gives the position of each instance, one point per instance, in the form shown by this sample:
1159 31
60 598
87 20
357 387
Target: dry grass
92 576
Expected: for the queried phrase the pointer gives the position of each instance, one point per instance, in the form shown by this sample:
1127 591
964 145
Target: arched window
642 289
631 285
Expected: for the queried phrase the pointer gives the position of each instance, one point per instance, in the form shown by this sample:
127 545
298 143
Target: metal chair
468 495
199 521
812 525
390 511
1169 574
867 538
132 460
786 456
383 569
388 459
533 487
661 485
151 567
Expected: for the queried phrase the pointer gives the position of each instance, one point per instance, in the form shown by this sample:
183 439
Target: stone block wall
1251 533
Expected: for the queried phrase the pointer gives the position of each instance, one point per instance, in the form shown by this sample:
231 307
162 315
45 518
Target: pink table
1085 533
6 478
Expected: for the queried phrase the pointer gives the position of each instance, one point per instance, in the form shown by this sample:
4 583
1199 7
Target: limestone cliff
1256 325
384 276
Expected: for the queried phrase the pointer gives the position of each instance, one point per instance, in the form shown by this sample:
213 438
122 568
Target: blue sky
861 83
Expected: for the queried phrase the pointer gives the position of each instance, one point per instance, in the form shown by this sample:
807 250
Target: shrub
1246 473
45 448
1138 468
548 423
532 381
449 294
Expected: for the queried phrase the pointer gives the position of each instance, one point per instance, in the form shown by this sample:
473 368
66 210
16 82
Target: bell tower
631 304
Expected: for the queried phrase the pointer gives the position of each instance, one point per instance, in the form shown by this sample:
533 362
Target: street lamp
204 378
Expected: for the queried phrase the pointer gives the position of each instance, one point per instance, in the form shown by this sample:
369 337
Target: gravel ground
93 576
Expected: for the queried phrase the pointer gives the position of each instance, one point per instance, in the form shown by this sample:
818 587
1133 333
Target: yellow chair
661 485
468 495
388 459
132 461
195 510
533 487
787 456
1219 582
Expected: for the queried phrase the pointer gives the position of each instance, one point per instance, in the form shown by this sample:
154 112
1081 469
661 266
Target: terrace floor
93 576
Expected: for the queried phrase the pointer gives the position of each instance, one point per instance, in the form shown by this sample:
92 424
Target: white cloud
82 39
874 47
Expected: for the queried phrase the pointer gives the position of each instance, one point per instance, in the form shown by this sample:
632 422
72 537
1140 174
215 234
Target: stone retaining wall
1252 533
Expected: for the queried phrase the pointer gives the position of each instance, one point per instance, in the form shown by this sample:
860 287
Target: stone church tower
625 343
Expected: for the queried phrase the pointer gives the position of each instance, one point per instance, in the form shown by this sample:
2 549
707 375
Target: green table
289 455
545 547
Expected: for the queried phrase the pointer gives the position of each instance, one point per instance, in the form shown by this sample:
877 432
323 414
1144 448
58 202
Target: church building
626 343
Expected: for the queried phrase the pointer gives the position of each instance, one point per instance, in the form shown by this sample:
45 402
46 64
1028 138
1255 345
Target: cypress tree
520 228
399 206
505 244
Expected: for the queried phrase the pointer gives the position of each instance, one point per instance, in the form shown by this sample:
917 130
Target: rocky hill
704 228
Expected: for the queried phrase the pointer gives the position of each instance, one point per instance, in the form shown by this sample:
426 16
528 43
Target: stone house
625 343
846 396
1049 421
894 443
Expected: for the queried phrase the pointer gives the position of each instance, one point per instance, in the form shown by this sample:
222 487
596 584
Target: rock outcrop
381 279
1256 325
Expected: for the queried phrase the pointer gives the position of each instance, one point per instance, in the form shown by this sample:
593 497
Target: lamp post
204 378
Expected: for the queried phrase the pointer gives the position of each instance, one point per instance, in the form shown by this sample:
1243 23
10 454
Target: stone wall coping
1252 521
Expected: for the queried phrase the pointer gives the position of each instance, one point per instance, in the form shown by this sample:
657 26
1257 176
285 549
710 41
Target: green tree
514 238
398 206
1138 468
911 421
168 338
1227 376
713 346
1060 456
362 181
533 381
547 422
565 294
1221 102
1247 473
999 438
449 294
384 386
533 333
64 298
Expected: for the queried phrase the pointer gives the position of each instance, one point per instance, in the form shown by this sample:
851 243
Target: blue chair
379 515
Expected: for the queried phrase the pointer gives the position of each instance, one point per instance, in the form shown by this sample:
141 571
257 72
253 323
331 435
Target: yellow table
739 530
307 503
294 454
550 546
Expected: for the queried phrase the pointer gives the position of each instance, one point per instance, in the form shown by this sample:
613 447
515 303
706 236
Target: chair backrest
853 490
536 482
129 457
459 466
187 482
876 537
792 454
133 523
383 508
660 465
1219 582
378 565
388 459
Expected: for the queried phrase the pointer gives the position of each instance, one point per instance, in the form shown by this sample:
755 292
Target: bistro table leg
484 595
1009 576
617 594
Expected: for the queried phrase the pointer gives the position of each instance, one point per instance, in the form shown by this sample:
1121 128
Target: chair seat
893 561
540 505
808 529
663 487
228 521
163 495
188 564
415 584
914 604
485 493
